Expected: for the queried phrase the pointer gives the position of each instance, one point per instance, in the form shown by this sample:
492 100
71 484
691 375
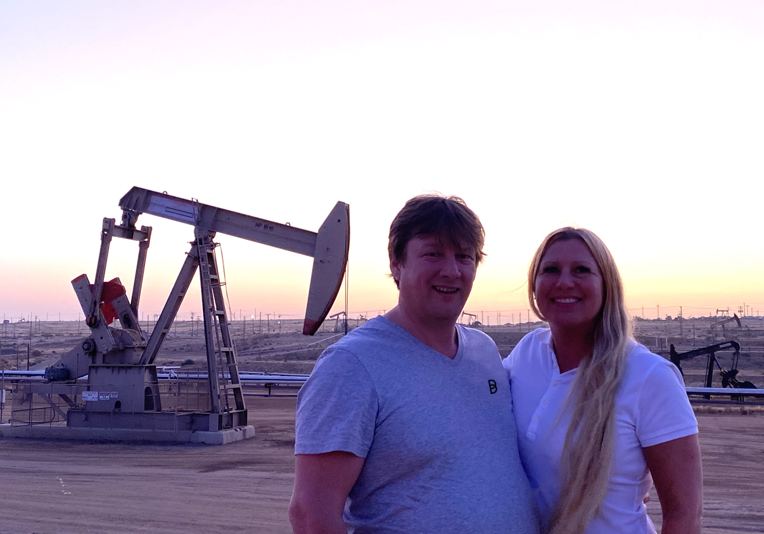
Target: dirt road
71 487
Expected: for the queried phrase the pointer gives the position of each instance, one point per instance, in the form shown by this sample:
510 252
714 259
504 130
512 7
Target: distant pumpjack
728 376
723 322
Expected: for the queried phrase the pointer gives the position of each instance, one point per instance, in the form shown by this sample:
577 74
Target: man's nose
450 266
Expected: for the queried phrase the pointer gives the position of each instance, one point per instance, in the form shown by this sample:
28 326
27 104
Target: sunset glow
642 122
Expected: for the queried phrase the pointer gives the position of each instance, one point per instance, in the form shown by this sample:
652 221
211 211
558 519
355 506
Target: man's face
435 280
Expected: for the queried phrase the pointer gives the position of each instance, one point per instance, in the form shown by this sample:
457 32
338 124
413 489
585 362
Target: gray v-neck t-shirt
438 434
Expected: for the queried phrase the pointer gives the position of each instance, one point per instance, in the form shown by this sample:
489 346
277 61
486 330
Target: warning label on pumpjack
90 395
104 395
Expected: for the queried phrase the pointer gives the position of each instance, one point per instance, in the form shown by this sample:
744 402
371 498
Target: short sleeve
337 407
664 412
507 363
511 360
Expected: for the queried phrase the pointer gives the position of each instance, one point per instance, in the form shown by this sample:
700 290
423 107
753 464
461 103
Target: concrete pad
221 437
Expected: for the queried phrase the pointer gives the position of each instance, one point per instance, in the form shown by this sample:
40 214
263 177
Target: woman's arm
678 476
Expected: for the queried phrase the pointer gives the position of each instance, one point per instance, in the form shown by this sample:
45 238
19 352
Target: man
406 425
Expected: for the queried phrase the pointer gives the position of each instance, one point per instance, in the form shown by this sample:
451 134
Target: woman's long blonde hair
588 450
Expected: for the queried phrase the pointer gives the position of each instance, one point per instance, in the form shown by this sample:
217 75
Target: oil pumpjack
122 385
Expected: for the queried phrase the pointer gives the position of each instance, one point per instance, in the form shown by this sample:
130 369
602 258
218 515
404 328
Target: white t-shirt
651 408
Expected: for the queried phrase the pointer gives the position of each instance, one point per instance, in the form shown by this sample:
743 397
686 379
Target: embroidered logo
492 386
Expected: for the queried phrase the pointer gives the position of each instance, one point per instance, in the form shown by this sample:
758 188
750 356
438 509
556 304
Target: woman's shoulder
539 336
644 368
641 360
529 346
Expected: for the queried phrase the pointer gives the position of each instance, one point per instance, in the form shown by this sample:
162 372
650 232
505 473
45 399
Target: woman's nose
565 279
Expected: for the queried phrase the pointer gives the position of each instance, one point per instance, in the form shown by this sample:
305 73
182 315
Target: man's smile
444 289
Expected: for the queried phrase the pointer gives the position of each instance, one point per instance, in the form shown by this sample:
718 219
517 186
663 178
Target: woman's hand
678 476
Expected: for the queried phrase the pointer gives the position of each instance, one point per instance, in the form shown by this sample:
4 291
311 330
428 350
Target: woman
596 412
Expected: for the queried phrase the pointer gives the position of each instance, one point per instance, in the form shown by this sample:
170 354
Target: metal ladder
226 397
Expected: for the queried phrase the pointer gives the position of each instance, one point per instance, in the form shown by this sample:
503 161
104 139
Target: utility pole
681 320
659 312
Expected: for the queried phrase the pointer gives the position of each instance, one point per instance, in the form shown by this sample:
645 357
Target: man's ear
395 270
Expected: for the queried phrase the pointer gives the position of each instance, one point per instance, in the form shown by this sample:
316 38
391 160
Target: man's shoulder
368 343
473 333
373 332
475 339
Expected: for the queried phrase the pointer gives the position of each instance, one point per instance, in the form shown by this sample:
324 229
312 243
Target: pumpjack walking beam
328 247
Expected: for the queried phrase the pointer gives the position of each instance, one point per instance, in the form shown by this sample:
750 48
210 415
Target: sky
642 121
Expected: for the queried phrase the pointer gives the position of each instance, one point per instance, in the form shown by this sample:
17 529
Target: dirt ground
76 487
72 487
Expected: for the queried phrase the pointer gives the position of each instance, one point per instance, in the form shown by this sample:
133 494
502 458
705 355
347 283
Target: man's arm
322 483
678 476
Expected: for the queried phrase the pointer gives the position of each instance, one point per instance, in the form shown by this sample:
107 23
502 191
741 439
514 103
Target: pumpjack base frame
192 422
65 433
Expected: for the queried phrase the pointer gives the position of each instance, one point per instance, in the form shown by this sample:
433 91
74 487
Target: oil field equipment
122 389
728 377
724 321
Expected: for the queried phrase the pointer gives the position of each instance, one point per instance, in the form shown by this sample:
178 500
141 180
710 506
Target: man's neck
439 335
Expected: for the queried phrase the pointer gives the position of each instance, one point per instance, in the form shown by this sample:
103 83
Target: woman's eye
582 270
550 270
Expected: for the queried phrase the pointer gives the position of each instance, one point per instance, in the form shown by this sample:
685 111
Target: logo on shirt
492 386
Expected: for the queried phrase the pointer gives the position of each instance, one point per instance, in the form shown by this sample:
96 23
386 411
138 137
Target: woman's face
569 290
